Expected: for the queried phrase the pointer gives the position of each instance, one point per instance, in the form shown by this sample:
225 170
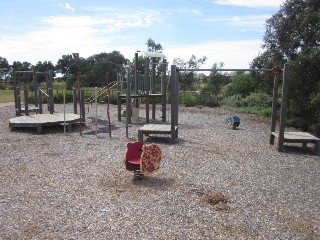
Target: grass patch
6 96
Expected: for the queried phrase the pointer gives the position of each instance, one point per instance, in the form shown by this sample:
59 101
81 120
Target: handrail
111 85
44 92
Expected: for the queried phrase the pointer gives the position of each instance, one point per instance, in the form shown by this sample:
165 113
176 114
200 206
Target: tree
188 78
4 68
153 46
213 84
293 36
71 64
43 67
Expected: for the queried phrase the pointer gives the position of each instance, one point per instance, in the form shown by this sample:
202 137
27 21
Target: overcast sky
228 31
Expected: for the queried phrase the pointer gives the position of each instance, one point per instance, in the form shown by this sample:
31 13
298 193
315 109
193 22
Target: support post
276 72
82 107
164 90
147 72
15 92
18 101
118 97
128 106
153 87
285 87
35 87
75 101
40 101
173 101
51 101
26 100
135 73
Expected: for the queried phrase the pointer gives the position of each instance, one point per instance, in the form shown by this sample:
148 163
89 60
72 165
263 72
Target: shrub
189 99
242 84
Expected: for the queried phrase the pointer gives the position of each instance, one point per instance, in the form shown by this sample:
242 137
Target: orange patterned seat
142 159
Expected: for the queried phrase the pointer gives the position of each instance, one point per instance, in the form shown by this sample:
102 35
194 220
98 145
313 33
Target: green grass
6 96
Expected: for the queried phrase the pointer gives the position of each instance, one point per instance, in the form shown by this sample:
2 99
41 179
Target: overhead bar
221 70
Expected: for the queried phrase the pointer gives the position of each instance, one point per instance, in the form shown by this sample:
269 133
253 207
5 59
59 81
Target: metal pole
224 70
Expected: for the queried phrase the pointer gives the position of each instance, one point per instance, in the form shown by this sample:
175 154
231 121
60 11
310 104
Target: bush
242 84
189 99
58 97
257 103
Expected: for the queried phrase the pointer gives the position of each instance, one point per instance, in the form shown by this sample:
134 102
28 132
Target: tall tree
43 67
293 36
152 46
71 64
188 78
4 68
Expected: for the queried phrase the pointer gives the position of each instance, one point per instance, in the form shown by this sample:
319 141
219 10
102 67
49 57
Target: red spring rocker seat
142 159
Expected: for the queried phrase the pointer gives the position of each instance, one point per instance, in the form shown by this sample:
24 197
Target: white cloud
250 3
61 35
234 54
244 21
67 6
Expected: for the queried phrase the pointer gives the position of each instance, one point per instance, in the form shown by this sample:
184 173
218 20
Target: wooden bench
301 137
157 129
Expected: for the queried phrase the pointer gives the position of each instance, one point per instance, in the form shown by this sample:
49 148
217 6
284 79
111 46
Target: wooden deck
301 137
156 129
40 120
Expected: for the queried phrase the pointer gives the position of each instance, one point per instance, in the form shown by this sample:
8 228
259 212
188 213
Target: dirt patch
216 199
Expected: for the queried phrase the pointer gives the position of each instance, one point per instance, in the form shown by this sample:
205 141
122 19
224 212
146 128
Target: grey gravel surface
67 186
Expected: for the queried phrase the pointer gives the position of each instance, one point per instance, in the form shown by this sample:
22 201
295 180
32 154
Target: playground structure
39 120
290 137
283 137
148 87
36 90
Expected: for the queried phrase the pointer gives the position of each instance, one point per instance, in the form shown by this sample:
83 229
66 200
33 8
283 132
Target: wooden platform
40 120
156 129
301 137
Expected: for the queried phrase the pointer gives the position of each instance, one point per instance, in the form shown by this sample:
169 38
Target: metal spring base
138 175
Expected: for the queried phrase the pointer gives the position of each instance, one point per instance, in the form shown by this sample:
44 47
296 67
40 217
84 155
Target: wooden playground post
40 102
276 72
50 103
82 106
147 72
285 87
118 96
35 87
108 103
174 103
128 106
153 86
75 99
164 90
26 100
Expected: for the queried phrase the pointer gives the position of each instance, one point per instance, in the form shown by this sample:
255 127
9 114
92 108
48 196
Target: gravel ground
214 183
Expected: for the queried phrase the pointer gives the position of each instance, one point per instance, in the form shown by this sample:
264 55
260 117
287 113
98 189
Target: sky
227 31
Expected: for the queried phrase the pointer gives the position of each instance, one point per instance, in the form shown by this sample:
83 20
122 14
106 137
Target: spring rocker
233 121
142 159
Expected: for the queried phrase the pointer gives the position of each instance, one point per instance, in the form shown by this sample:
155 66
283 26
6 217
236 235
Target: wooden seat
142 159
